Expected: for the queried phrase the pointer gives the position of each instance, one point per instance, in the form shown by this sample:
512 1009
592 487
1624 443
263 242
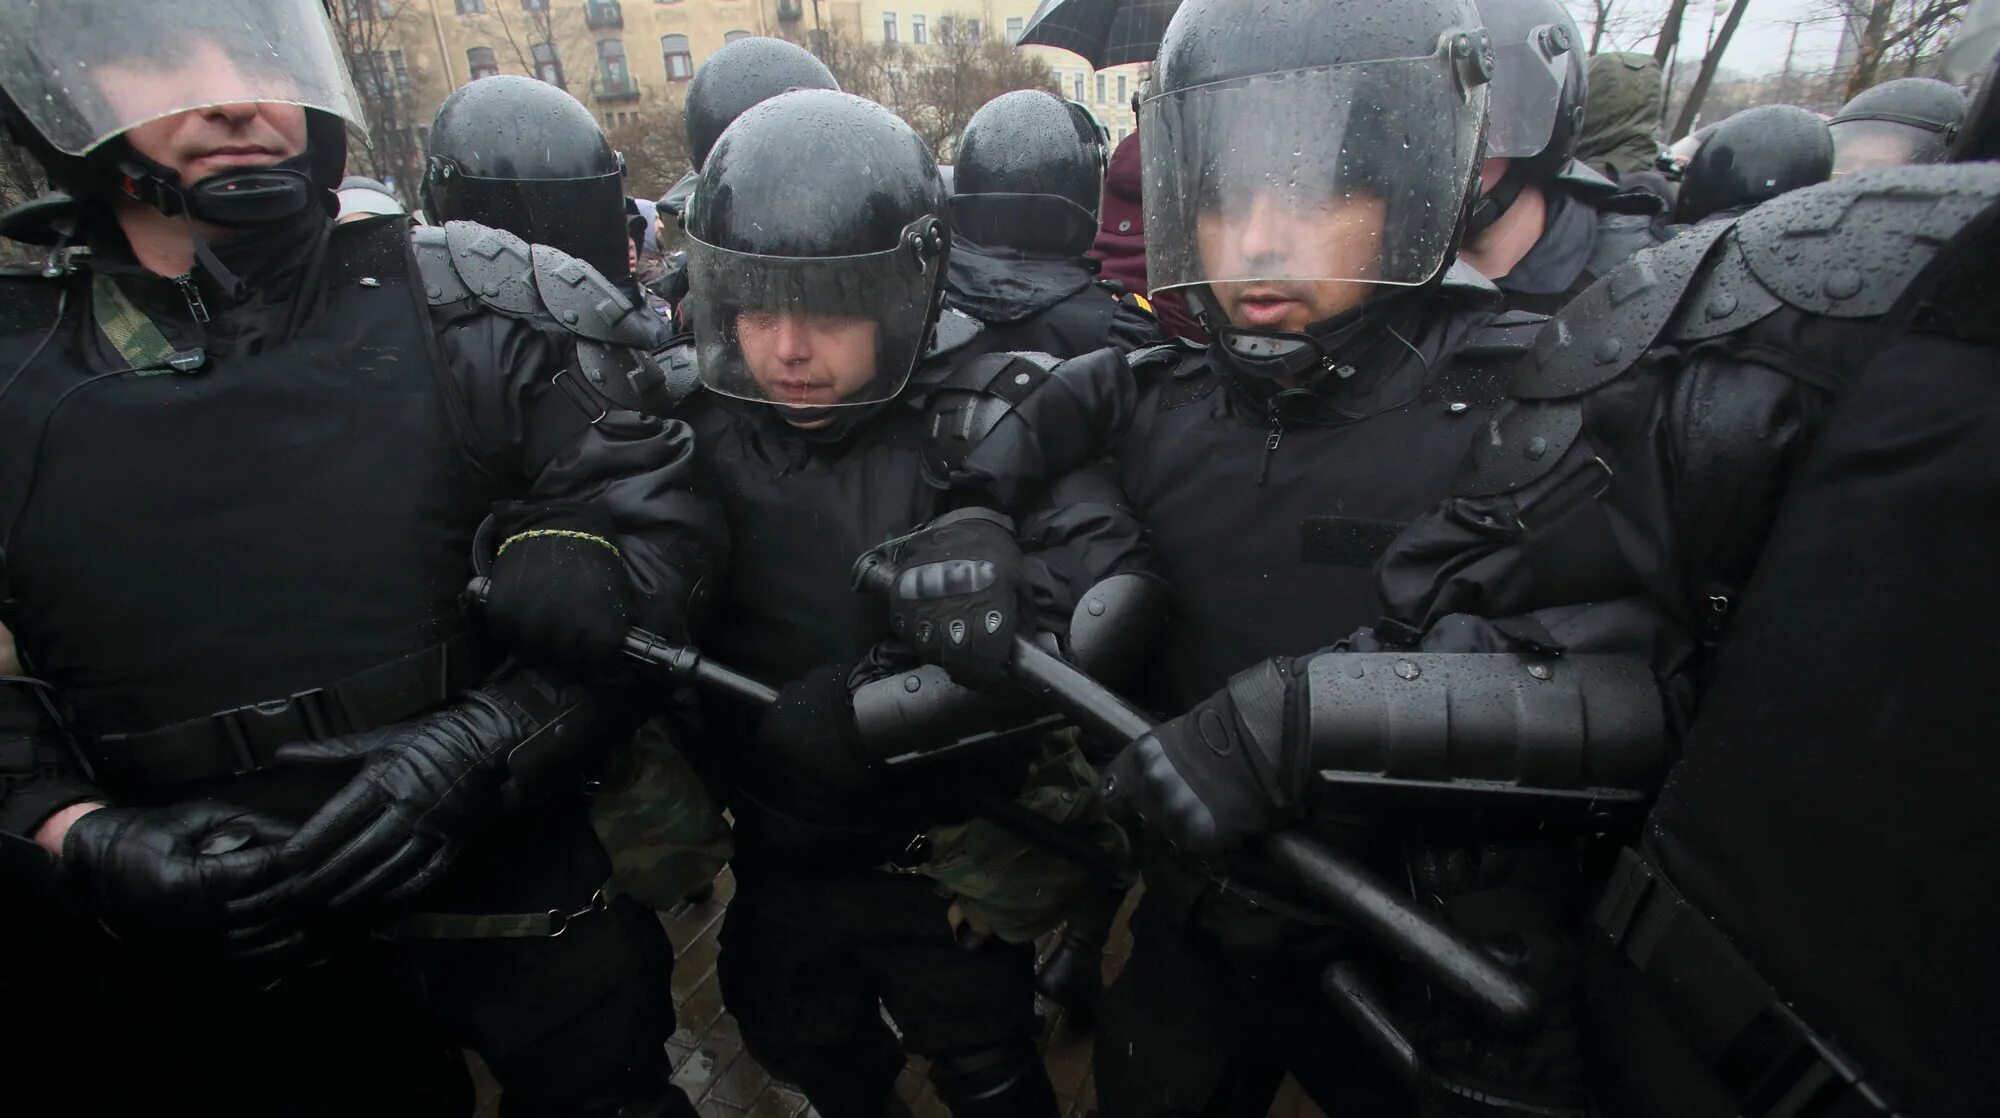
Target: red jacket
1121 240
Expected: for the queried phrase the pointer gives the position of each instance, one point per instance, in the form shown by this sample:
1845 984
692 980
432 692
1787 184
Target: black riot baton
685 664
680 662
1326 878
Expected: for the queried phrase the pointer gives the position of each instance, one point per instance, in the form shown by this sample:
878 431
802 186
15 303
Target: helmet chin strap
1494 204
245 198
1305 358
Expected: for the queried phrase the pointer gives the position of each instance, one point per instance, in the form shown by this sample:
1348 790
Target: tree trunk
1708 67
1670 31
1869 46
1603 10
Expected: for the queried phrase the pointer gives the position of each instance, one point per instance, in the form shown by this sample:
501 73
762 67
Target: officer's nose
234 113
793 339
1262 231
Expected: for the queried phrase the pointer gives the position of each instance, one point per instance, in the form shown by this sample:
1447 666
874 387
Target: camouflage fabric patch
658 820
136 338
1010 887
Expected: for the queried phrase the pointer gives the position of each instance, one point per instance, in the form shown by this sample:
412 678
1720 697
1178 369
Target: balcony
614 87
789 11
603 15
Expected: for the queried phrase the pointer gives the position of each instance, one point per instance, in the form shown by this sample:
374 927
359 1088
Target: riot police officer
1546 225
246 454
1029 178
1751 158
519 154
1908 120
1310 171
836 415
1759 372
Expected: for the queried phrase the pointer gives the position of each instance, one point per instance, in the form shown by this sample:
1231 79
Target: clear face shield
814 332
1863 143
85 71
1526 90
1291 196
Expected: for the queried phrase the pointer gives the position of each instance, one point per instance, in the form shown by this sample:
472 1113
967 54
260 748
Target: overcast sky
1759 45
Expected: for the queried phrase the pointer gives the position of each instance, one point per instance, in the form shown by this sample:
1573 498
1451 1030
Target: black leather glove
559 591
429 784
957 600
174 874
806 756
1216 775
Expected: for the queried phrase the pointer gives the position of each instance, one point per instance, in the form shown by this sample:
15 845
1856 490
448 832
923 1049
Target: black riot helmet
1908 120
740 75
818 212
1753 157
1309 142
1535 114
77 76
521 155
1029 176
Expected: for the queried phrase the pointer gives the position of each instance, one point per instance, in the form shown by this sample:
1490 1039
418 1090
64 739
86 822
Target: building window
381 74
1077 84
611 65
548 66
1122 98
918 32
732 36
360 11
972 29
1100 89
480 63
680 61
1013 29
888 27
534 5
471 7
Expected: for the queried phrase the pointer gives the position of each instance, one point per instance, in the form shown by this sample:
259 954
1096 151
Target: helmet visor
1861 144
1527 90
84 71
810 332
1355 173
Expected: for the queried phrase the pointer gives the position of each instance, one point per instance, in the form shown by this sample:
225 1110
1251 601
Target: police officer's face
807 360
1271 235
198 143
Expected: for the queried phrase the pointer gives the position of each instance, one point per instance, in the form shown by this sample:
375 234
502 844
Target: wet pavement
724 1082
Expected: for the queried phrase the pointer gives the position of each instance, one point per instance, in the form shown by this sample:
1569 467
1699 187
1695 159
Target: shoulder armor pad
680 367
1521 442
1605 330
587 304
1507 334
954 331
45 221
1161 360
496 265
1465 283
1115 286
970 401
1848 248
434 270
1724 299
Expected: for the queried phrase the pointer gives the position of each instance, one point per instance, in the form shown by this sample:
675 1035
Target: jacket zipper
1270 446
195 306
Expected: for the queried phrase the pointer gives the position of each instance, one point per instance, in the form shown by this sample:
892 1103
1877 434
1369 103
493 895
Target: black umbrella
1105 32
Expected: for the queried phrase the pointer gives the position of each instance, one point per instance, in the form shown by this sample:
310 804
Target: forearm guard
1471 729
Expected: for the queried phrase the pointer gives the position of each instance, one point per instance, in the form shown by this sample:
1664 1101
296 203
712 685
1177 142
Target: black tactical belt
1769 1059
497 925
247 738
